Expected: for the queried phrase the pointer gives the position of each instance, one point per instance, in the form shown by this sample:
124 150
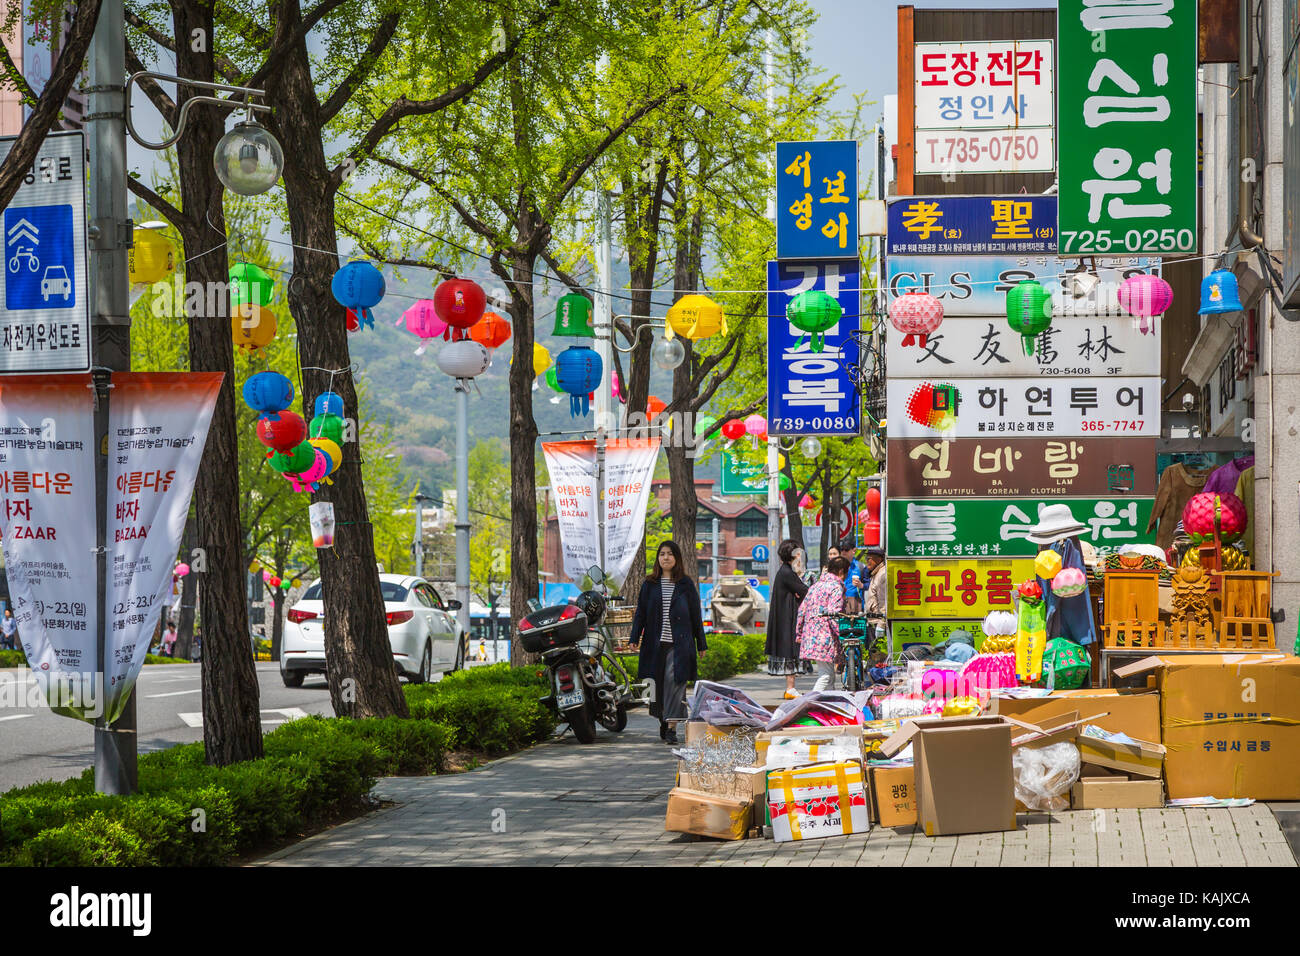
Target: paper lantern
297 459
1030 591
1219 293
332 452
326 426
250 285
541 359
266 577
254 567
573 317
704 425
1069 582
491 331
181 570
695 317
268 393
274 582
780 460
915 314
653 406
359 286
551 380
578 371
783 482
1200 514
282 432
756 425
422 321
813 312
1047 564
459 303
1029 311
463 359
329 403
353 320
309 478
151 259
1145 296
999 623
733 430
252 327
805 502
296 582
284 585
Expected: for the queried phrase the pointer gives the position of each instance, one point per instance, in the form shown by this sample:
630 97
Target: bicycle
856 633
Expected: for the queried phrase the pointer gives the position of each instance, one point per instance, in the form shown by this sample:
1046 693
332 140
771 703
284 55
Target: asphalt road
36 744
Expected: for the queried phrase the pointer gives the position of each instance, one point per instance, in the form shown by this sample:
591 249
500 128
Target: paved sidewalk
604 804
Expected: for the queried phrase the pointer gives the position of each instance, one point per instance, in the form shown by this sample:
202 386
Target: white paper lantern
463 359
1000 623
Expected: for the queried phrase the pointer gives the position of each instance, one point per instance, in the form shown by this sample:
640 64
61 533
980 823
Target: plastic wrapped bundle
1044 775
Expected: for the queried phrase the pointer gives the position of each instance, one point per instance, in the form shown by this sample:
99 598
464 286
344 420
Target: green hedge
732 654
19 659
315 770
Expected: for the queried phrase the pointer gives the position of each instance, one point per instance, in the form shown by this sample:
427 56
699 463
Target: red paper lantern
354 320
653 406
491 331
274 582
284 434
916 314
459 302
733 430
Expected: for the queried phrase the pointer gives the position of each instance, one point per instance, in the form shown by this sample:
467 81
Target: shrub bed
19 659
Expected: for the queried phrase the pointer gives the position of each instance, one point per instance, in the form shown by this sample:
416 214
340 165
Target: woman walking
819 636
668 617
788 590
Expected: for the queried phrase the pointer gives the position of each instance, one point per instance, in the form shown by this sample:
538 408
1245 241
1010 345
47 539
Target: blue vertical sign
812 393
817 200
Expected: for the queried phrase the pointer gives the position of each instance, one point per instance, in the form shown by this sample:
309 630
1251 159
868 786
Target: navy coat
687 628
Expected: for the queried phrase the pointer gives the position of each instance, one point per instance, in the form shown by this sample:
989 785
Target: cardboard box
963 773
810 803
1140 758
1112 793
705 814
1136 714
697 729
893 795
733 786
1092 770
1230 723
812 734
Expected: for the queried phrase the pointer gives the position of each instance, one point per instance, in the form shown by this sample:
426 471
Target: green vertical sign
1126 115
740 477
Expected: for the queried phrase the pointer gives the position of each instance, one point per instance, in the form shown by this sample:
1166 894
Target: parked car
422 630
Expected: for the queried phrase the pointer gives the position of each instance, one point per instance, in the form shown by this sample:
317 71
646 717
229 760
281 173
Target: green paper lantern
299 458
573 317
250 285
813 312
1029 311
327 426
783 482
705 425
552 380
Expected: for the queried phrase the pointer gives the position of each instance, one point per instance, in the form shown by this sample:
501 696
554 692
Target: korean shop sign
817 200
812 393
984 107
903 633
978 285
1021 467
967 526
971 225
740 477
1019 407
1127 110
948 588
1070 346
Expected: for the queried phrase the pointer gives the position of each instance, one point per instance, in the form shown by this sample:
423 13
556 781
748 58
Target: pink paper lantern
181 570
1145 296
266 576
756 425
806 502
309 479
916 314
423 321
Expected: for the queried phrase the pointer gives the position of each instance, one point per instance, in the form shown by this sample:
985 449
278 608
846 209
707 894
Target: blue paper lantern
329 403
1219 293
269 393
578 371
359 286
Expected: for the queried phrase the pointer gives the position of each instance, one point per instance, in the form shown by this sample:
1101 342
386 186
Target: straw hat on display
1054 523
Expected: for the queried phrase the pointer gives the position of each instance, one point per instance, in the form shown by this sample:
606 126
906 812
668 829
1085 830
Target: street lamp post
417 543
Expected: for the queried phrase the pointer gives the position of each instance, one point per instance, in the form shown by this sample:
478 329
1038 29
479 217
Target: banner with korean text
47 487
629 468
572 466
157 428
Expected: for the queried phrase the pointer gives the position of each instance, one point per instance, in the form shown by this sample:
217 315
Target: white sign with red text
572 466
629 467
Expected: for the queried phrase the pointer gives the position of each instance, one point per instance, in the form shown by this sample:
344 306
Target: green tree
489 495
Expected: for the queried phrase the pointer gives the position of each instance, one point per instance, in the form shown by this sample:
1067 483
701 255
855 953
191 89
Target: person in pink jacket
819 635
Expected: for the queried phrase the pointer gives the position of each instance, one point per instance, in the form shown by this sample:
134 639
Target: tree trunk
277 622
683 501
232 727
523 446
362 678
189 593
826 514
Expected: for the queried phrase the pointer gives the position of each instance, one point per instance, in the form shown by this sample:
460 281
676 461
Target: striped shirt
666 589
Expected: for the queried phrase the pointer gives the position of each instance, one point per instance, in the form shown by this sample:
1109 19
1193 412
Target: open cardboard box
705 814
810 734
1134 713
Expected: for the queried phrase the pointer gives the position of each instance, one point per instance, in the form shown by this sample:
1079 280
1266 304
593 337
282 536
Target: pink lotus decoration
1145 296
1200 513
916 314
1069 582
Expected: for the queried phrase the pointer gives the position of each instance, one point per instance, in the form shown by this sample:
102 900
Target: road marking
17 716
174 693
286 714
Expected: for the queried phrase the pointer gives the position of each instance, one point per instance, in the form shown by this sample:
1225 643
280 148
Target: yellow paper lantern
296 583
1047 564
252 326
254 567
695 317
541 359
780 461
151 258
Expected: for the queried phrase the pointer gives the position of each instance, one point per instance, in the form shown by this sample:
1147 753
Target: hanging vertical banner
47 493
1127 106
817 199
157 427
572 467
629 466
812 393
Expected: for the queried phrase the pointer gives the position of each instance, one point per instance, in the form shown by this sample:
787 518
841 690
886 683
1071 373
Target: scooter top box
551 627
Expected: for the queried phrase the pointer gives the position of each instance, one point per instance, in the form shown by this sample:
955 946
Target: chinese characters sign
1007 407
1068 347
1128 112
812 393
984 107
1022 467
950 588
979 526
959 225
817 200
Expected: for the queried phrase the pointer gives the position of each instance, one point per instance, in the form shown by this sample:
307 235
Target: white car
422 629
